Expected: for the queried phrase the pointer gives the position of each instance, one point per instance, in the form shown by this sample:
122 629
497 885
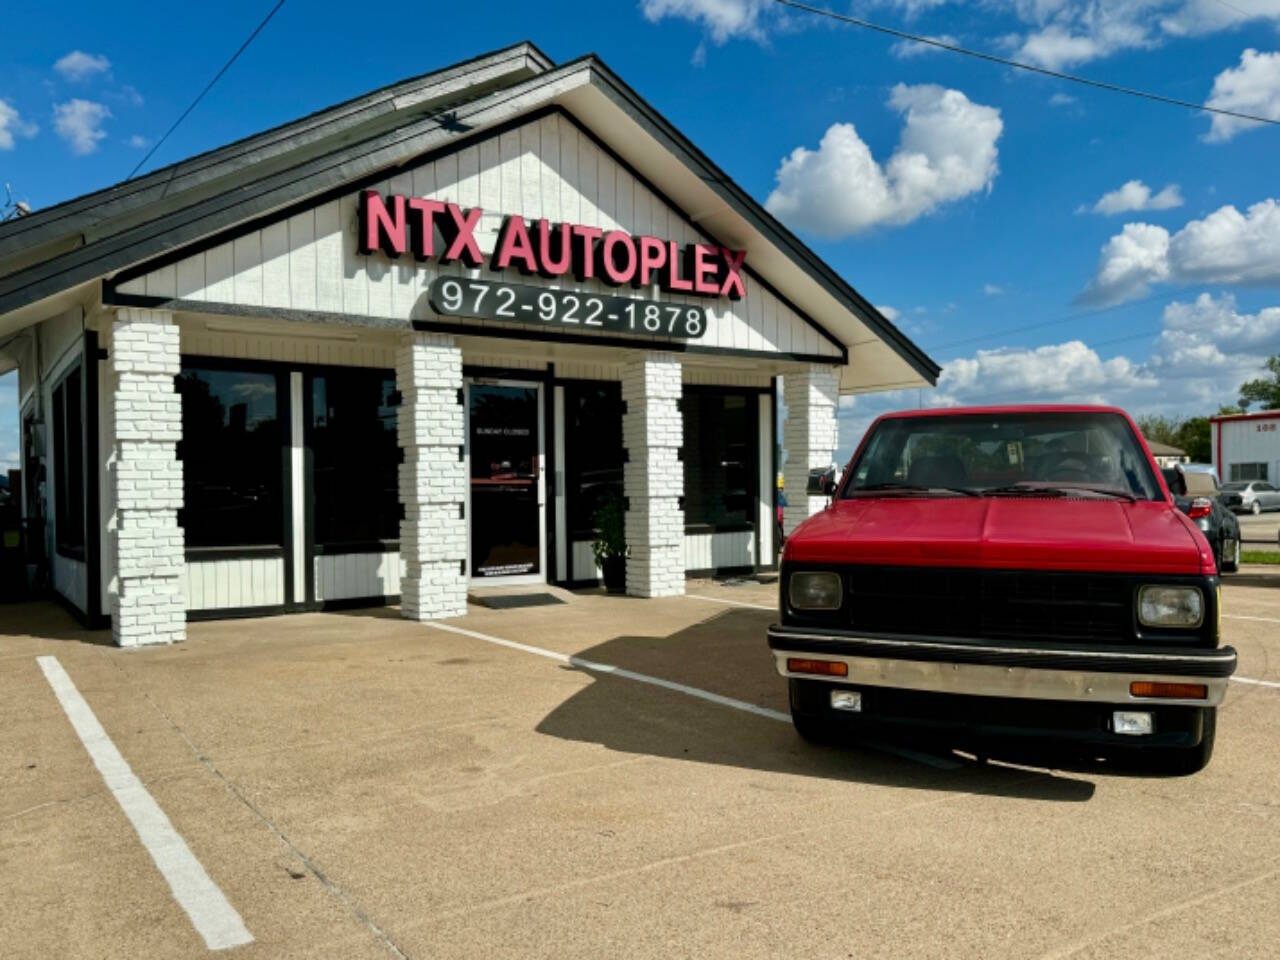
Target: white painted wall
545 168
70 578
227 584
347 576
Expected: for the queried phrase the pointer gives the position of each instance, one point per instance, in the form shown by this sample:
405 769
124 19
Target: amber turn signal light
1173 691
827 668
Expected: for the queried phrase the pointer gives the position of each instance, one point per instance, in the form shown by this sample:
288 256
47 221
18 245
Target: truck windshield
1086 454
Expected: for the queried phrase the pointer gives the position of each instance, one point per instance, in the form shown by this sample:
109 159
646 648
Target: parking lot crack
333 888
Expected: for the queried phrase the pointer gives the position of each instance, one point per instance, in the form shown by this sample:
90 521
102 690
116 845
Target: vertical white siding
347 576
70 578
227 584
716 551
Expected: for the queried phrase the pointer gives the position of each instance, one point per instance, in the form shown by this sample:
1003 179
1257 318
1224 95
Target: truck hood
1007 532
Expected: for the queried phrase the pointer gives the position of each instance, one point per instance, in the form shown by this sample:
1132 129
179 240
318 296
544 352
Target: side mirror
822 481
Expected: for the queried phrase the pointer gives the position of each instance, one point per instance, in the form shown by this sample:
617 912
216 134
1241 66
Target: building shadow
727 655
48 620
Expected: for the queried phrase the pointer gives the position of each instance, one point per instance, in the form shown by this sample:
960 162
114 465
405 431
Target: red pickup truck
1002 573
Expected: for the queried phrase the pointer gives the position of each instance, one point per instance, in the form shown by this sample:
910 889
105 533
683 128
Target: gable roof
53 253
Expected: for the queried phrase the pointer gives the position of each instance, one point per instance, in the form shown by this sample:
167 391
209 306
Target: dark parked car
1250 496
1196 493
1005 573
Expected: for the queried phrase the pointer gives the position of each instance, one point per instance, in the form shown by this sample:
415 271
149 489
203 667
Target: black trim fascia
702 529
354 547
355 603
92 489
371 105
708 572
238 552
76 554
505 373
236 613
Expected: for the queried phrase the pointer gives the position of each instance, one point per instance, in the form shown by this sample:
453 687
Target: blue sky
966 198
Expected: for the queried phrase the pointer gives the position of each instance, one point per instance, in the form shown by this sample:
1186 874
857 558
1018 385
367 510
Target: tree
1265 390
1191 436
1159 429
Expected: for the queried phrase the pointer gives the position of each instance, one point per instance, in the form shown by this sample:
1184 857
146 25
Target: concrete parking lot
607 777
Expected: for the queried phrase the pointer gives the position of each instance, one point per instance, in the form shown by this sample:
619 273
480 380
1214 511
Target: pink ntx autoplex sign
398 224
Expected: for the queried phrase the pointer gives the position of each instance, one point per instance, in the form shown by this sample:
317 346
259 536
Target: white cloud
907 49
1205 350
722 19
1131 261
1227 246
1253 87
947 151
991 290
1136 195
138 142
79 123
13 126
78 65
891 313
1062 100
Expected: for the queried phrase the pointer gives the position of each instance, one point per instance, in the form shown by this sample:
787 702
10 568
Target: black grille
991 604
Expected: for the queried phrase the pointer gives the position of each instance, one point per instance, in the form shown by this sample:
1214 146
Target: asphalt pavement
602 778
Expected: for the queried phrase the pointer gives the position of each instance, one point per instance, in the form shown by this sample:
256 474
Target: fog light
1132 723
849 700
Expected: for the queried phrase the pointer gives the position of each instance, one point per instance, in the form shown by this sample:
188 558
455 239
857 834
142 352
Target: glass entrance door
507 502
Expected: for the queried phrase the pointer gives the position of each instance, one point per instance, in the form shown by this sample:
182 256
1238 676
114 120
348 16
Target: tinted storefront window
593 452
719 458
232 450
355 458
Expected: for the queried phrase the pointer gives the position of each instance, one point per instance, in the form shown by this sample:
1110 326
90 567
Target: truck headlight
1160 606
818 590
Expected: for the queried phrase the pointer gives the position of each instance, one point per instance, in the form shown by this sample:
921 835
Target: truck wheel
1184 761
1230 556
806 712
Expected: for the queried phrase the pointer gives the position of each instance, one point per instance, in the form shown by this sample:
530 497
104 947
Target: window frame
1260 468
314 546
752 395
61 495
284 415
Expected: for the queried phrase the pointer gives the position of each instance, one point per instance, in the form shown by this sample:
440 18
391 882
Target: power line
1022 328
216 77
1044 71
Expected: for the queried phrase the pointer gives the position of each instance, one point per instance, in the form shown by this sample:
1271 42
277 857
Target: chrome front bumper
984 669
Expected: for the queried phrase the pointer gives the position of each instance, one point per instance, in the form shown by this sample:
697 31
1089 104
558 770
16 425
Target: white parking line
610 669
212 916
732 603
1227 616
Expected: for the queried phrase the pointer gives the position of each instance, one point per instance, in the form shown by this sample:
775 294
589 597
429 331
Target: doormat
510 601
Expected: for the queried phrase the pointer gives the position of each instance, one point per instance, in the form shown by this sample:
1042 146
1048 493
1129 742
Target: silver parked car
1250 496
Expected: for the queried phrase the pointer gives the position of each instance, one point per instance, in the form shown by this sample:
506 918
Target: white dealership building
1246 446
414 342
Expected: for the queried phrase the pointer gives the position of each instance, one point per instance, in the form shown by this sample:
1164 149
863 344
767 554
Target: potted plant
610 545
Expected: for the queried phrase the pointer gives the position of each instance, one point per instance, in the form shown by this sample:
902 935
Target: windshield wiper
1062 489
912 488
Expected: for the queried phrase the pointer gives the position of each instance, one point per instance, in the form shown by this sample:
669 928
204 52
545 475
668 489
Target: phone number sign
565 310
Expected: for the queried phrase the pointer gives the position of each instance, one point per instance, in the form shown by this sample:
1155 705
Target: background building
1246 446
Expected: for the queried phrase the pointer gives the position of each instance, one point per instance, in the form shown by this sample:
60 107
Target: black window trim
740 526
77 552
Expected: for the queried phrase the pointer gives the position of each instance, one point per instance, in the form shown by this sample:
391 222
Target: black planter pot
614 570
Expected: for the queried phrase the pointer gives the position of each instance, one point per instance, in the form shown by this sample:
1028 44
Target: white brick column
809 435
146 480
653 476
433 481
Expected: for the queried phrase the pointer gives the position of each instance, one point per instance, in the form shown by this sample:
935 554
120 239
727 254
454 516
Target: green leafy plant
610 521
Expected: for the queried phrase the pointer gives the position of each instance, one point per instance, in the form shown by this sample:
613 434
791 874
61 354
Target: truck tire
808 721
